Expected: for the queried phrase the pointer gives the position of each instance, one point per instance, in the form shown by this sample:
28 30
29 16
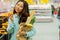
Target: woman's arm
31 33
10 26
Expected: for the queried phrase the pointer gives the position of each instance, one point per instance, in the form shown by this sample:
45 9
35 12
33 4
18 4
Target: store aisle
47 31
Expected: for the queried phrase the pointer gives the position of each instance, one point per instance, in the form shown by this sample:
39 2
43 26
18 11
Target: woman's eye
21 6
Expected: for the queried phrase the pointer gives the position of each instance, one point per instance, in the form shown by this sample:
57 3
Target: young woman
21 14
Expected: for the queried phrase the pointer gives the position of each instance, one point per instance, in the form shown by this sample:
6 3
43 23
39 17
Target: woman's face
19 7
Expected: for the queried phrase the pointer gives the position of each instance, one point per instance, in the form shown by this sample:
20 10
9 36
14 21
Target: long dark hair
25 12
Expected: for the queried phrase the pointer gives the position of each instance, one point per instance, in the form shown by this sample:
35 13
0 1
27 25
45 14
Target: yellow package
43 1
31 2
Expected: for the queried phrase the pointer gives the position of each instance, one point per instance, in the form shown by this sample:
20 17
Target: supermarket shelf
3 14
44 19
5 24
3 31
40 6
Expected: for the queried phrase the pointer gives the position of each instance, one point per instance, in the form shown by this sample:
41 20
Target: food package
44 1
31 2
25 28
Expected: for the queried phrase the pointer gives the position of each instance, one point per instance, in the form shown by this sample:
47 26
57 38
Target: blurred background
47 14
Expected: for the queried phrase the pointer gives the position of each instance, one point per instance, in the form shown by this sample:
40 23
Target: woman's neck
17 13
